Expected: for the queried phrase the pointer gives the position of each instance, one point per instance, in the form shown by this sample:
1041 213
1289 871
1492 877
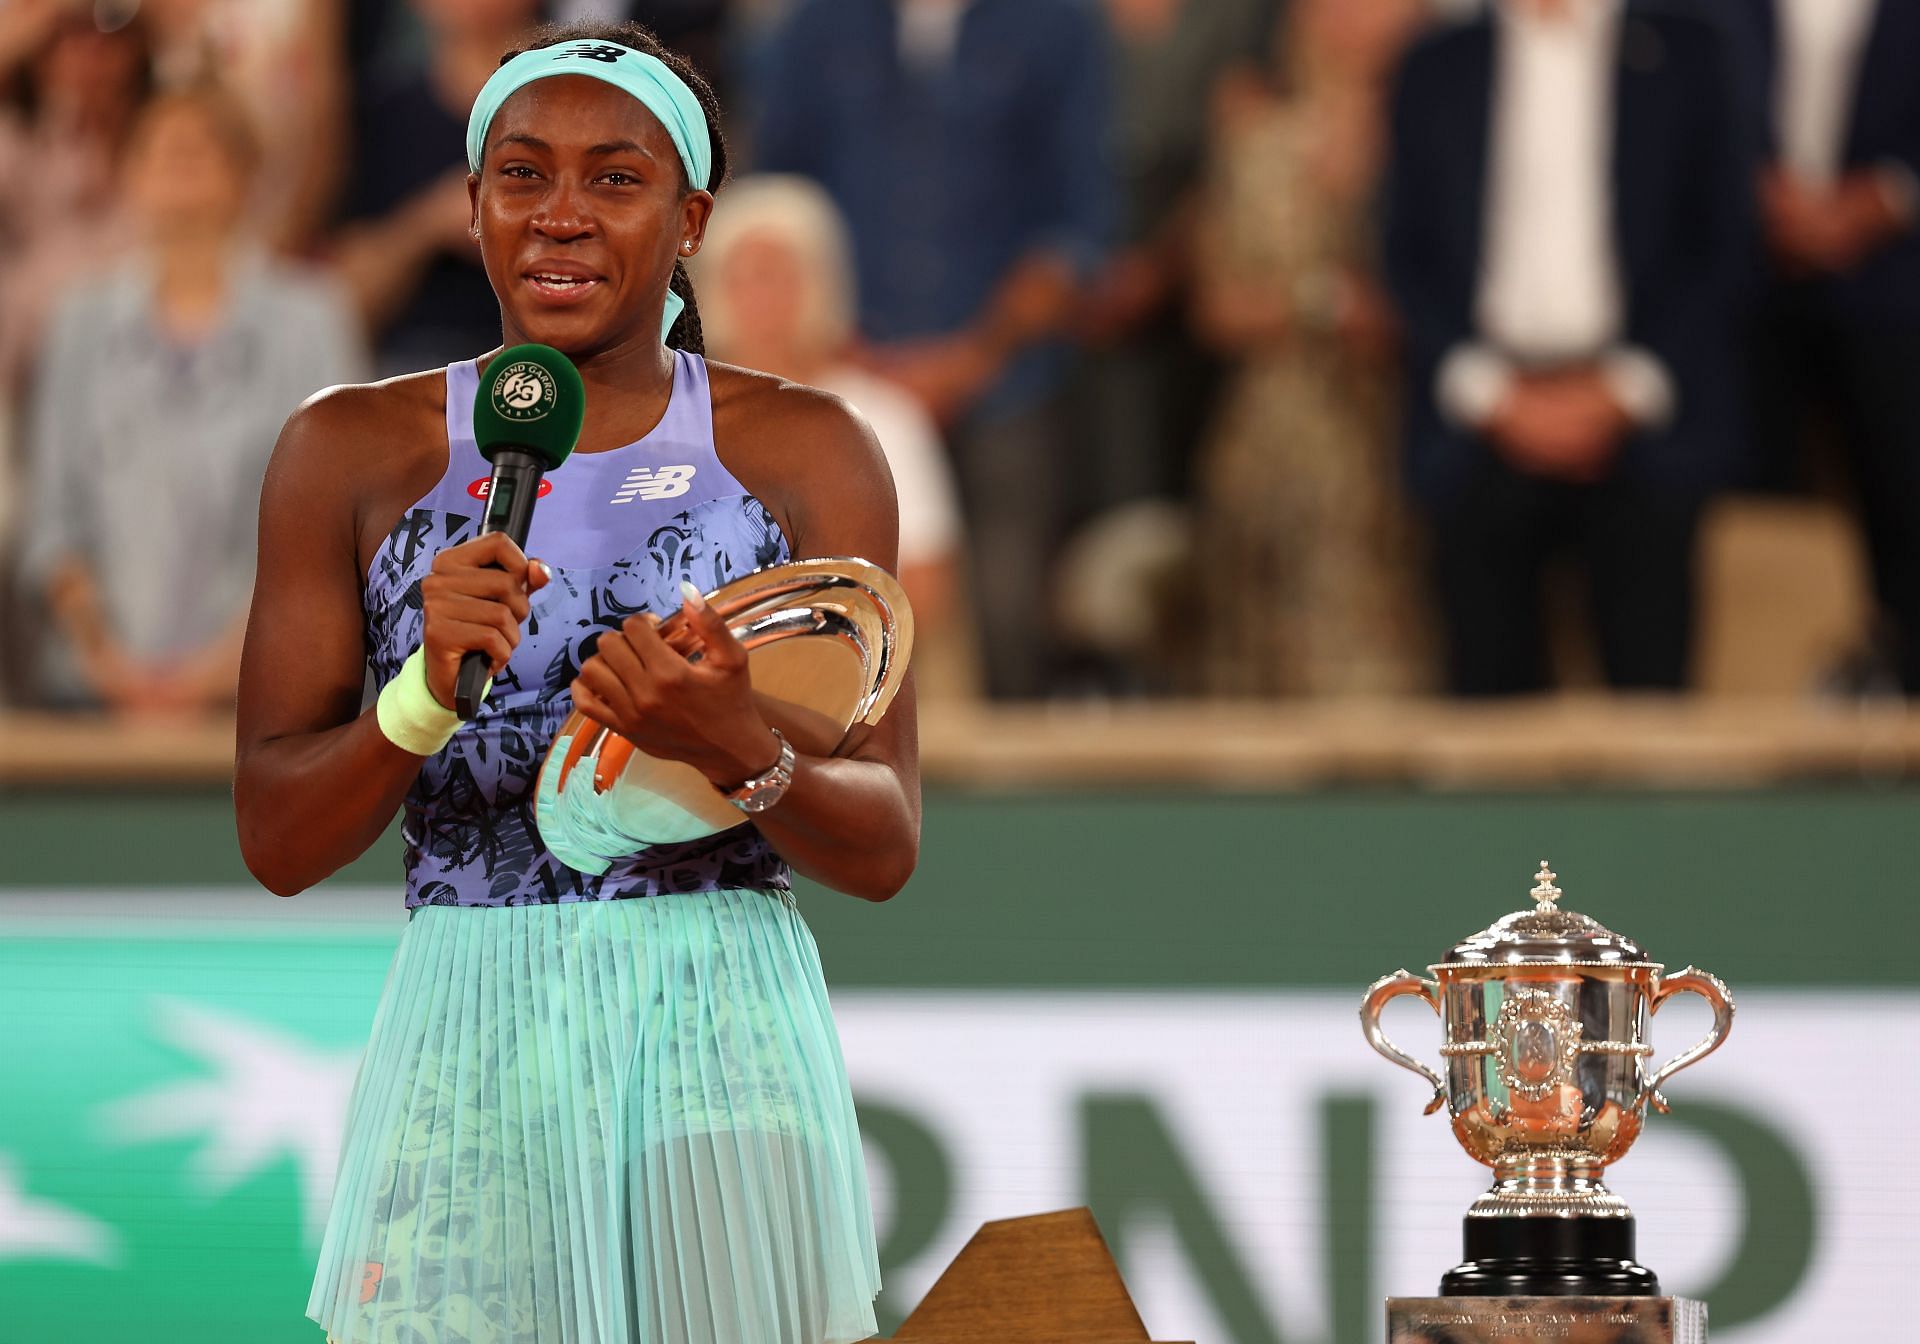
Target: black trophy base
1549 1257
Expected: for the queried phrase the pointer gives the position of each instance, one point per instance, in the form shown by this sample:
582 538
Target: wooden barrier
1573 740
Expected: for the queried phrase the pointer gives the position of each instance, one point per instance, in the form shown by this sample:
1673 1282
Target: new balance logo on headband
593 51
654 483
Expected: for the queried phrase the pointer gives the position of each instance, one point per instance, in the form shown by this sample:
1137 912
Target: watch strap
765 789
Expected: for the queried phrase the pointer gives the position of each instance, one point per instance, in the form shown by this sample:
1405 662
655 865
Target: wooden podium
1044 1279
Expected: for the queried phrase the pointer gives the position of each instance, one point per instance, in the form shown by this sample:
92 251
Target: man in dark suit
1839 90
1568 230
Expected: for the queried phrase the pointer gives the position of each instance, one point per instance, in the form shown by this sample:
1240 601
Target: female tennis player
596 1109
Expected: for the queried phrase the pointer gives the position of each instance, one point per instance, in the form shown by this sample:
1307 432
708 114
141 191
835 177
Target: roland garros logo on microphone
523 391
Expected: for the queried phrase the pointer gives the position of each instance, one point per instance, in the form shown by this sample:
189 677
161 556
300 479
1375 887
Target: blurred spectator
1142 383
68 95
159 398
776 287
1569 202
697 29
405 252
385 41
1840 331
1301 530
79 89
963 140
285 61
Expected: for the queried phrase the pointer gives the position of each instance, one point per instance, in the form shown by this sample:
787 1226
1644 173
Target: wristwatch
763 791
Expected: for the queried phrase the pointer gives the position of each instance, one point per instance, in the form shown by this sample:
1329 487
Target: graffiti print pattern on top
469 826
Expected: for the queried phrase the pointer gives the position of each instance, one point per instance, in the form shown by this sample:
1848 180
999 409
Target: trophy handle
1709 987
1379 994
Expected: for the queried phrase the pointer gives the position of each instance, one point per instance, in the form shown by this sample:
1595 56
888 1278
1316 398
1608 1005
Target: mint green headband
647 78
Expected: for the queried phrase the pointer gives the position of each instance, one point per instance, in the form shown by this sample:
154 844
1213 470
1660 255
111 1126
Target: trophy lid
1547 934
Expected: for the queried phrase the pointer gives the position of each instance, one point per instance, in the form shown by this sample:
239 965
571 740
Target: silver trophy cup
1545 1021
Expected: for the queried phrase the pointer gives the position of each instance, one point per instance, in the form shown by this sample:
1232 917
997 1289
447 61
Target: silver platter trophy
827 644
1545 1018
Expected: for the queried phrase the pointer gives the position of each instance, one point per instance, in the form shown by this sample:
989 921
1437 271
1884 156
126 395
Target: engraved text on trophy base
1524 1320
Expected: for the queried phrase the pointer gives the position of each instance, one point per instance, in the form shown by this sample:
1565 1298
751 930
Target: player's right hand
476 598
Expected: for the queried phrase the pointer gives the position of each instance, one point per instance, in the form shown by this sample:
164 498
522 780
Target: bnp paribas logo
523 391
253 1098
196 1123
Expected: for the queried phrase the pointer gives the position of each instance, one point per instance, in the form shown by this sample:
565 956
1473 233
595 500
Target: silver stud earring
687 248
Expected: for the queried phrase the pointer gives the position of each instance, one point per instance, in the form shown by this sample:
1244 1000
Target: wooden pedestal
1045 1279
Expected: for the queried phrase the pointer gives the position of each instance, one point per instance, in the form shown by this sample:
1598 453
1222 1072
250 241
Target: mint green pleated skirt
611 1122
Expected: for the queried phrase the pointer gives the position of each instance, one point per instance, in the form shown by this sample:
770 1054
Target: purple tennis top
620 531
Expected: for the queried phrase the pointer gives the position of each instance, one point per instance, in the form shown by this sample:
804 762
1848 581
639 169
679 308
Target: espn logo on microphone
654 483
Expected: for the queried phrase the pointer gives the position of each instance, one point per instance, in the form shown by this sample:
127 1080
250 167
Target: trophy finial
1544 891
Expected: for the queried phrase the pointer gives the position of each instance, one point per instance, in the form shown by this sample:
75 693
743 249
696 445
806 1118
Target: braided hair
686 333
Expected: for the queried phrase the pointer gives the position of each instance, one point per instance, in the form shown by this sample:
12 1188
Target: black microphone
527 414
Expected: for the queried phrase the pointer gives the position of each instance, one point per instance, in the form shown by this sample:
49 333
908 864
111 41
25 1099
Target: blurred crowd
1241 348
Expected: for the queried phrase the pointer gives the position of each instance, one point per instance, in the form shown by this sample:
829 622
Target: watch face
757 795
761 798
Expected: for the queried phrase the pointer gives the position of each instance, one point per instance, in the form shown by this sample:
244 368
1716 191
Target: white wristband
408 713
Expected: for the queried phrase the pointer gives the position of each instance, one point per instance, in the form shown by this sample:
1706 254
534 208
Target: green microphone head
531 398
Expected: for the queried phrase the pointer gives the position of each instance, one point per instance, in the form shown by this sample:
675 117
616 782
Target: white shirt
1821 43
1549 280
922 480
1549 286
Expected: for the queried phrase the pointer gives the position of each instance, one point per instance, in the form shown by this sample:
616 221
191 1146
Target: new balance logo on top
654 483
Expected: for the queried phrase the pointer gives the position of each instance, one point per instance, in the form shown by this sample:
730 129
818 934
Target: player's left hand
698 710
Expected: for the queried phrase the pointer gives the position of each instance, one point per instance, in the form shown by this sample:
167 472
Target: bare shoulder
362 451
808 454
756 411
356 421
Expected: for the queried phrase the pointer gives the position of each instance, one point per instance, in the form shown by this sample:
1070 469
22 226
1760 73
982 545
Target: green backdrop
1128 889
